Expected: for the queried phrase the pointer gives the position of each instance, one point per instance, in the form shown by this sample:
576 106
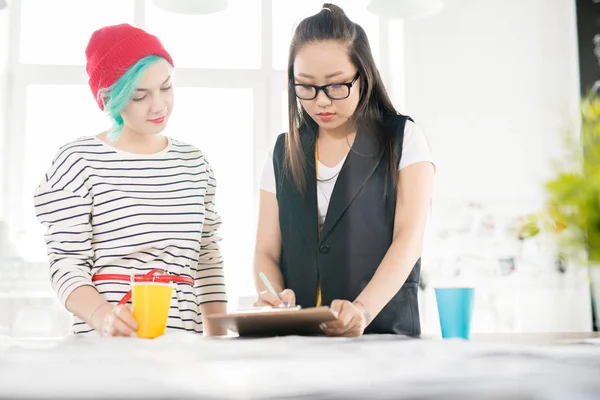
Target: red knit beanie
112 50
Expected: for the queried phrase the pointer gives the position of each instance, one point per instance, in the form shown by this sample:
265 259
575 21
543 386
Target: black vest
357 232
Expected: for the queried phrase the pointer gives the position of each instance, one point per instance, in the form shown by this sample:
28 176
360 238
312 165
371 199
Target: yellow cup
151 299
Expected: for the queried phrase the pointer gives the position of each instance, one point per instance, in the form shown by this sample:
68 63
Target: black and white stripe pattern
107 211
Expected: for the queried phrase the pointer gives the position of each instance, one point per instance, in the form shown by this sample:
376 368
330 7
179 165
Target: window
229 103
284 112
289 14
229 39
56 115
200 118
56 32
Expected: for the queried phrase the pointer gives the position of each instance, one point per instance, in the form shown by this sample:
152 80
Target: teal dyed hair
117 96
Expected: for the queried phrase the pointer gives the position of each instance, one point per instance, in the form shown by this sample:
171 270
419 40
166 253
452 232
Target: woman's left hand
352 319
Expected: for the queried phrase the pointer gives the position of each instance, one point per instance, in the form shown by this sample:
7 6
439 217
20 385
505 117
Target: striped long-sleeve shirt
108 211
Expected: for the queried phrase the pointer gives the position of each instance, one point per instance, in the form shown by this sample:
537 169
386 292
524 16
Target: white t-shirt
414 149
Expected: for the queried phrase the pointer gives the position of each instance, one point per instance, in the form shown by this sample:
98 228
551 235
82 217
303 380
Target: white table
371 367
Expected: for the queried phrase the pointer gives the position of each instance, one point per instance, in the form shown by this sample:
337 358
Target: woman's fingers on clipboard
268 299
349 321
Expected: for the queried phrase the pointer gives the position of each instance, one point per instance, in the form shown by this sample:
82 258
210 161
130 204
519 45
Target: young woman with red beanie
131 200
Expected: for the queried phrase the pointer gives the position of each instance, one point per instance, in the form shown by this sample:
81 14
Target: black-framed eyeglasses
335 91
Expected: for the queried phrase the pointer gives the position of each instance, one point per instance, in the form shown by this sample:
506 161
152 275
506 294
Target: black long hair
331 23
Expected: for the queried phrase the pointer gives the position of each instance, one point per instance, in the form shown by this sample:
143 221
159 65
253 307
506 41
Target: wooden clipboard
275 321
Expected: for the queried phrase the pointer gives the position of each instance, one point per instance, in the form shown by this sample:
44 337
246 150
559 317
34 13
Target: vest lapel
305 207
358 167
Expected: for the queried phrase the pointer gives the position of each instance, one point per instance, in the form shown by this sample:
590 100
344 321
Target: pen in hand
271 289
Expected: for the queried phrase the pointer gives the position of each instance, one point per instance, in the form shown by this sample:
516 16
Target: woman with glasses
345 193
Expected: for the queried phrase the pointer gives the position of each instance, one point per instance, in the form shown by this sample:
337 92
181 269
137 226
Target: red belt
149 277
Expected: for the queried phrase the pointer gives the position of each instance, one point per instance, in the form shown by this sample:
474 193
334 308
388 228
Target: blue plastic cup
455 308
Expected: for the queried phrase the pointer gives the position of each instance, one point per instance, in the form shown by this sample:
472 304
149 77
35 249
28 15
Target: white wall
493 83
4 80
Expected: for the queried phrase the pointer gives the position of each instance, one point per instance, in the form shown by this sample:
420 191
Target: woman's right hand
116 321
268 299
